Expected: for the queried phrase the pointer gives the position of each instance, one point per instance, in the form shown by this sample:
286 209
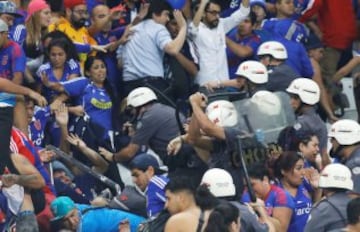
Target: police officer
345 140
304 95
273 55
155 126
214 135
252 75
330 213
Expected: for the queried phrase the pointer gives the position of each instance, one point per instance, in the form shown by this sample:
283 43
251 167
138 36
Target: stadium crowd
179 115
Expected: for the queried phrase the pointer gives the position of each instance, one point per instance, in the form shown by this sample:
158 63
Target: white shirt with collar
211 45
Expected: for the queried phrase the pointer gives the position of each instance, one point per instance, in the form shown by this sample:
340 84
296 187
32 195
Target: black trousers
6 122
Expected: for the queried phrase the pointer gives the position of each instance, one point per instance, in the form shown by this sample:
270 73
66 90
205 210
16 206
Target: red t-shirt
336 20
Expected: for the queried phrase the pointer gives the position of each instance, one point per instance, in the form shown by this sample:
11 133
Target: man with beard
208 33
73 25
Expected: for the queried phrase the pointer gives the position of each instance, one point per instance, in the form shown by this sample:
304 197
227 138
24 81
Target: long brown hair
34 30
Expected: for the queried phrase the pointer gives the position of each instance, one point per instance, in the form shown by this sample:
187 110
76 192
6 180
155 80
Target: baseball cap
35 6
72 3
3 26
130 200
9 7
144 160
219 182
61 206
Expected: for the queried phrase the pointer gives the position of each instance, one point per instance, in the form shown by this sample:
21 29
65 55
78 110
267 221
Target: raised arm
197 102
174 46
100 165
199 13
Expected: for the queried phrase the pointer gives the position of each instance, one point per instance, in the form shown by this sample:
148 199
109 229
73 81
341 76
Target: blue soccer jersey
37 125
70 67
110 57
303 205
12 60
156 195
96 101
234 61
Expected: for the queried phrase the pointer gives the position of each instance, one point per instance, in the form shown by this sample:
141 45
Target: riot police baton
112 184
243 164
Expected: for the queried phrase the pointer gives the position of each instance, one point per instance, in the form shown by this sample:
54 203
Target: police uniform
223 154
327 216
280 77
249 220
155 128
353 163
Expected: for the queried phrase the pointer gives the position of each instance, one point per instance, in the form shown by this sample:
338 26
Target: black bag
155 225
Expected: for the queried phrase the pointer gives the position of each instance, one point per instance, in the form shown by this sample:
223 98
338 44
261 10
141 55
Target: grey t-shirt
327 217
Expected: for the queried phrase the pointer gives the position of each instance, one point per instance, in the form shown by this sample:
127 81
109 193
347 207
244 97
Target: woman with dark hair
94 93
278 202
290 172
303 141
224 217
61 66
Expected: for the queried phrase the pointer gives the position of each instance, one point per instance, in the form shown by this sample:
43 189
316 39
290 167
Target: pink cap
35 6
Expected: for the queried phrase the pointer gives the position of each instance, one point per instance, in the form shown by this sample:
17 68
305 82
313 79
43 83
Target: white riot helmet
336 176
222 113
267 102
140 96
345 131
254 71
273 48
307 90
219 182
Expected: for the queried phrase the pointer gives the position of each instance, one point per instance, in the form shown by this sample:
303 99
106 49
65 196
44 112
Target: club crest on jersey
37 124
